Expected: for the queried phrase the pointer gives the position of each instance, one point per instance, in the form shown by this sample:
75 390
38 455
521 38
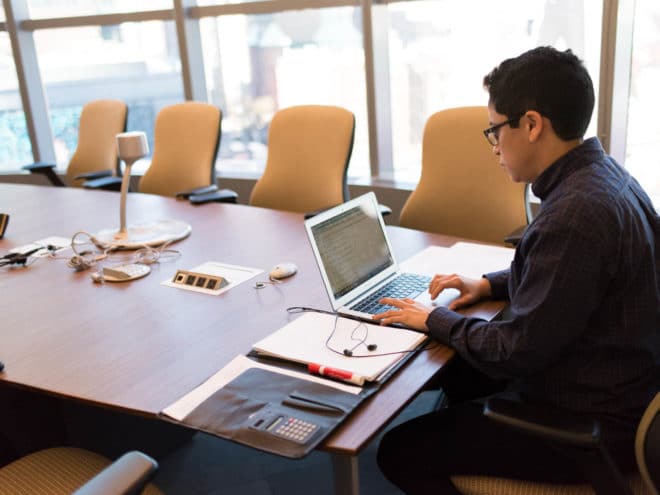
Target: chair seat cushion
55 471
485 485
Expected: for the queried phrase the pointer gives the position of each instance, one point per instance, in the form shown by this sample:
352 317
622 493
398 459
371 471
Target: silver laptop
356 261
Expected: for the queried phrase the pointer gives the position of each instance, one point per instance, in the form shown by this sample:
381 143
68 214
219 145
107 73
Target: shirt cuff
440 322
499 284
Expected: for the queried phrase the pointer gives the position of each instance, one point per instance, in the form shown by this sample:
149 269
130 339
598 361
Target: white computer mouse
283 270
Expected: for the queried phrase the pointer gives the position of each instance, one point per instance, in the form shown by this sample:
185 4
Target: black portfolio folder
277 413
273 412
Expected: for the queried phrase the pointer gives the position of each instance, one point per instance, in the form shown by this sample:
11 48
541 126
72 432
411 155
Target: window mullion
621 79
615 65
377 77
190 52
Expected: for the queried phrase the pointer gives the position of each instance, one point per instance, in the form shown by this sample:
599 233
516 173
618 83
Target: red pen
343 375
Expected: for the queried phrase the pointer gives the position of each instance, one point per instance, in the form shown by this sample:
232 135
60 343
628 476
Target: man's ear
533 124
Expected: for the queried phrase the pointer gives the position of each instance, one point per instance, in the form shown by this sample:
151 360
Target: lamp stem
126 179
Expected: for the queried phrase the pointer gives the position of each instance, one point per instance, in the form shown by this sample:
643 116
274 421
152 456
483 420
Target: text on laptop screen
353 248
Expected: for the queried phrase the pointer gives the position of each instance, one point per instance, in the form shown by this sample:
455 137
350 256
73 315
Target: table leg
345 472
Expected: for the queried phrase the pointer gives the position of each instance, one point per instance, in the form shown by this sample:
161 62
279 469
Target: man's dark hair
555 84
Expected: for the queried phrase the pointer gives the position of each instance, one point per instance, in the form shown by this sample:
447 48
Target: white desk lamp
131 147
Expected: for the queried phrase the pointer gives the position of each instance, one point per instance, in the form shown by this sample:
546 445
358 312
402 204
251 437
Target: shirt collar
579 157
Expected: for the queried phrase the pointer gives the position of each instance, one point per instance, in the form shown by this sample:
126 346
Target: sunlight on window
256 65
643 140
134 62
41 9
15 148
440 52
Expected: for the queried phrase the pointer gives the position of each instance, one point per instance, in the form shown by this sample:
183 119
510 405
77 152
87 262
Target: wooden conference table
139 346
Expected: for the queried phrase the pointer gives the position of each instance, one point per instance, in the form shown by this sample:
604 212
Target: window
440 51
261 56
257 64
224 2
44 9
134 62
15 147
643 139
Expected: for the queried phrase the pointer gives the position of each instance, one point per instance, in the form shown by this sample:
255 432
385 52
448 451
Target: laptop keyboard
404 285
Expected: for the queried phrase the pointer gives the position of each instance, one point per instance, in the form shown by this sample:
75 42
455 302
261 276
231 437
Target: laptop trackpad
443 299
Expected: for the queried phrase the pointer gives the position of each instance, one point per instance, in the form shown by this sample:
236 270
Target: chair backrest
186 140
100 122
647 446
462 190
309 148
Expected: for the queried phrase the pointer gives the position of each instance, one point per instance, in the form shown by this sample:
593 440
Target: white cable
85 259
85 249
148 255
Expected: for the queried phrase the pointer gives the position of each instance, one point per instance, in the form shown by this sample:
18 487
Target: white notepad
304 341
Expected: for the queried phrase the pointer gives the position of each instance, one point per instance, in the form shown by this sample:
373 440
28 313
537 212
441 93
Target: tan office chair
65 470
580 434
309 148
96 152
186 142
463 191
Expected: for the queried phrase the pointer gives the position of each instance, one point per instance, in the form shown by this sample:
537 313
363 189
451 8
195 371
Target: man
582 330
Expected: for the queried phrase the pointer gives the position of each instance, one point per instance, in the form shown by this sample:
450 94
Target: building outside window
258 64
441 49
15 147
134 62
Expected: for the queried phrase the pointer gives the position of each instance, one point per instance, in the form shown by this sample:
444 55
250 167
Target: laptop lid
351 248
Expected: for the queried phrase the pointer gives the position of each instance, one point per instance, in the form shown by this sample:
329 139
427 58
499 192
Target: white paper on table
186 404
234 274
60 243
320 338
464 258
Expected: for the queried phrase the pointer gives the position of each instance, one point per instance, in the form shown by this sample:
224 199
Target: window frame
616 48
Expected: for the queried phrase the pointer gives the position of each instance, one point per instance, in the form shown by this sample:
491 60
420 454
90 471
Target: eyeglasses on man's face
493 133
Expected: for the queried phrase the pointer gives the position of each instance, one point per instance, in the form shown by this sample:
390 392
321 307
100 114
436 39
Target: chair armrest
311 214
47 169
219 196
552 424
104 183
514 237
195 192
126 476
94 175
38 167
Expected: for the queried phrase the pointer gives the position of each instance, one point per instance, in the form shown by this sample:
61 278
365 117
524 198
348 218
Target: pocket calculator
282 425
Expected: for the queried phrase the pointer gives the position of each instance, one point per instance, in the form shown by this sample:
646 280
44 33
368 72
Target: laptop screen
352 247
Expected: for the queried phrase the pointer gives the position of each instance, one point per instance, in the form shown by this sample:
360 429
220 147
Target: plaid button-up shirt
583 327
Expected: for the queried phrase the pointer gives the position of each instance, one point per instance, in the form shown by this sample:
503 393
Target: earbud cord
347 352
303 309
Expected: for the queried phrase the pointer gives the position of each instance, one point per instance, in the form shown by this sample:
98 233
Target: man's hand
409 313
472 290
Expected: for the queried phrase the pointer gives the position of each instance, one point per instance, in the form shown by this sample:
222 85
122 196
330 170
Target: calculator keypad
294 429
280 424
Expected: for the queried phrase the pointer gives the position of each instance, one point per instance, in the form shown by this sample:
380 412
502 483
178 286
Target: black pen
299 402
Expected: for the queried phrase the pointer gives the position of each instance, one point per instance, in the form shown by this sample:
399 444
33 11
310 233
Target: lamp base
148 234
